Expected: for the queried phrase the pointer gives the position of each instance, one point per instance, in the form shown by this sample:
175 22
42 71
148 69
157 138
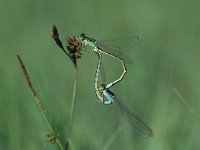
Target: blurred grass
168 57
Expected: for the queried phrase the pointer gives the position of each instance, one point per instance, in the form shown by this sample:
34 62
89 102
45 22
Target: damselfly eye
94 41
83 35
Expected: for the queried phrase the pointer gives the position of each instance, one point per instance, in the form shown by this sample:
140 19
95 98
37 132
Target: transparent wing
134 120
118 46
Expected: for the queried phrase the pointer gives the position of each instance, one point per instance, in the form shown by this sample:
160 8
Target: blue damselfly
106 96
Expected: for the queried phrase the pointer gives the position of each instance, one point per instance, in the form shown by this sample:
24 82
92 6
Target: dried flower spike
55 36
74 47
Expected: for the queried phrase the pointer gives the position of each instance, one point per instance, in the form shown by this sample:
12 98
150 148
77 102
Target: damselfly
107 97
111 49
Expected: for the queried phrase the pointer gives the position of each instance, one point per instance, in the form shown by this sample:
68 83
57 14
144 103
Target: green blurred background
168 58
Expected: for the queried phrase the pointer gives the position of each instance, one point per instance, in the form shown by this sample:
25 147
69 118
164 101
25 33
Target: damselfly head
83 36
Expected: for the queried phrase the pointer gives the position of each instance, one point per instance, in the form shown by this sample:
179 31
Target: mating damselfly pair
111 48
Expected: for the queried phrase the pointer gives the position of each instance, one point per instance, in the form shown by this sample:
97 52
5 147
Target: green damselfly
112 48
107 97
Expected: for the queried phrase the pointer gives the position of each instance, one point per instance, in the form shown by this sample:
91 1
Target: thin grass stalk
187 105
73 103
38 101
112 139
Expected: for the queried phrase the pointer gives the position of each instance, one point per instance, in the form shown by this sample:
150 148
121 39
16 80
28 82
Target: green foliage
168 58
